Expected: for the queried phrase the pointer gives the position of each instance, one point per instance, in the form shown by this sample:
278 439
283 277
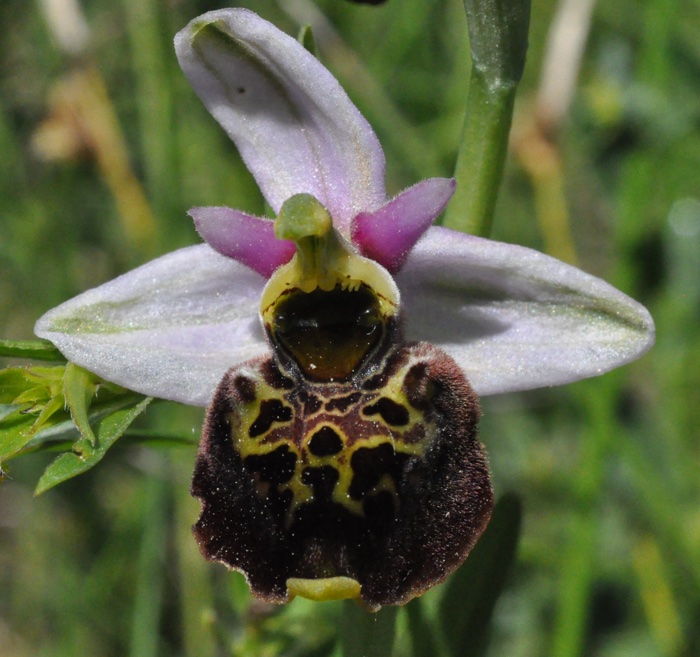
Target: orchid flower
339 456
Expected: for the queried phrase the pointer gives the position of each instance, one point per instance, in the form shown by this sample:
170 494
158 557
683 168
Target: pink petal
388 234
249 240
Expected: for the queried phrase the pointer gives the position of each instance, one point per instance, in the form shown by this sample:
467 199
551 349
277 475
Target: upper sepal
294 125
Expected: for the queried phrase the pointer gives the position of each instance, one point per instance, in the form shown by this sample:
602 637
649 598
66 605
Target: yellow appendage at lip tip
324 589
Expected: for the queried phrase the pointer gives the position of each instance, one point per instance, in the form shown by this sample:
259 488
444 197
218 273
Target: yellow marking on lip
394 391
246 414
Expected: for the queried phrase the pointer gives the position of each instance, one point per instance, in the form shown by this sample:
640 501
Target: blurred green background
103 151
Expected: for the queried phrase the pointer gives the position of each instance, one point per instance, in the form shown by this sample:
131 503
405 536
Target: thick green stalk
481 157
498 43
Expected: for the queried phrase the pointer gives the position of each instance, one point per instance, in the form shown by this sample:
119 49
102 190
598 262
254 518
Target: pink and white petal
293 124
170 328
516 319
250 240
388 234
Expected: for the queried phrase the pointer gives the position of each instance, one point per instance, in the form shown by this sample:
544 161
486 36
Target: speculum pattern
379 478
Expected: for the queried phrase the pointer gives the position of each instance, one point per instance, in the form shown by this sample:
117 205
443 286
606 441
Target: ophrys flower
339 456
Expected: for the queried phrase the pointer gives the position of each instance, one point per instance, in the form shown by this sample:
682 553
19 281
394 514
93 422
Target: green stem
35 349
481 157
498 42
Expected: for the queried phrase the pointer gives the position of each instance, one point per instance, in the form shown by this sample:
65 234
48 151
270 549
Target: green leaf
79 387
36 349
19 435
54 405
61 433
107 431
471 593
13 383
38 389
15 431
34 416
6 410
41 383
